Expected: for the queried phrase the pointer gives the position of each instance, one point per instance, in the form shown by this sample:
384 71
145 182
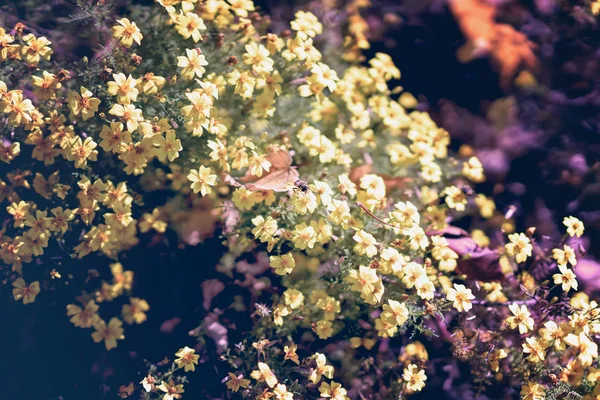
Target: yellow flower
414 274
339 212
293 298
553 333
455 198
495 292
82 151
258 56
587 348
533 391
264 229
290 353
128 114
83 317
306 25
6 48
135 311
461 296
171 390
202 179
320 369
235 382
241 7
324 329
19 110
200 108
39 223
283 265
127 32
36 48
486 205
304 202
330 307
473 170
384 65
386 325
114 137
414 377
566 278
279 312
304 236
281 393
168 146
187 359
521 318
495 357
567 255
46 86
124 88
335 391
535 348
148 383
264 373
192 64
22 291
108 333
574 226
243 198
84 104
406 214
365 244
398 310
19 212
519 246
189 25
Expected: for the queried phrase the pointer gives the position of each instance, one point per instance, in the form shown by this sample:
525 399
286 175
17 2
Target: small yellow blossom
124 88
83 317
566 278
574 226
414 377
333 390
235 382
519 246
108 333
192 64
171 390
521 318
82 104
533 391
202 179
27 293
365 244
264 374
127 32
187 359
320 369
461 296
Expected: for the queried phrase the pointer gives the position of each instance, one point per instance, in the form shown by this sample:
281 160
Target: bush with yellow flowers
337 201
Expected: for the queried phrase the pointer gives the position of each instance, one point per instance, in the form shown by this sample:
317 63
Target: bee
303 186
467 190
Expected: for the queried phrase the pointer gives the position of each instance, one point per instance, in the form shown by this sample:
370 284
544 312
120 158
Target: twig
375 217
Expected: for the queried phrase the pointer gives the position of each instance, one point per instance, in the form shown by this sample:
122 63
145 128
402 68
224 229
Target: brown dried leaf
508 48
280 178
391 182
478 263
